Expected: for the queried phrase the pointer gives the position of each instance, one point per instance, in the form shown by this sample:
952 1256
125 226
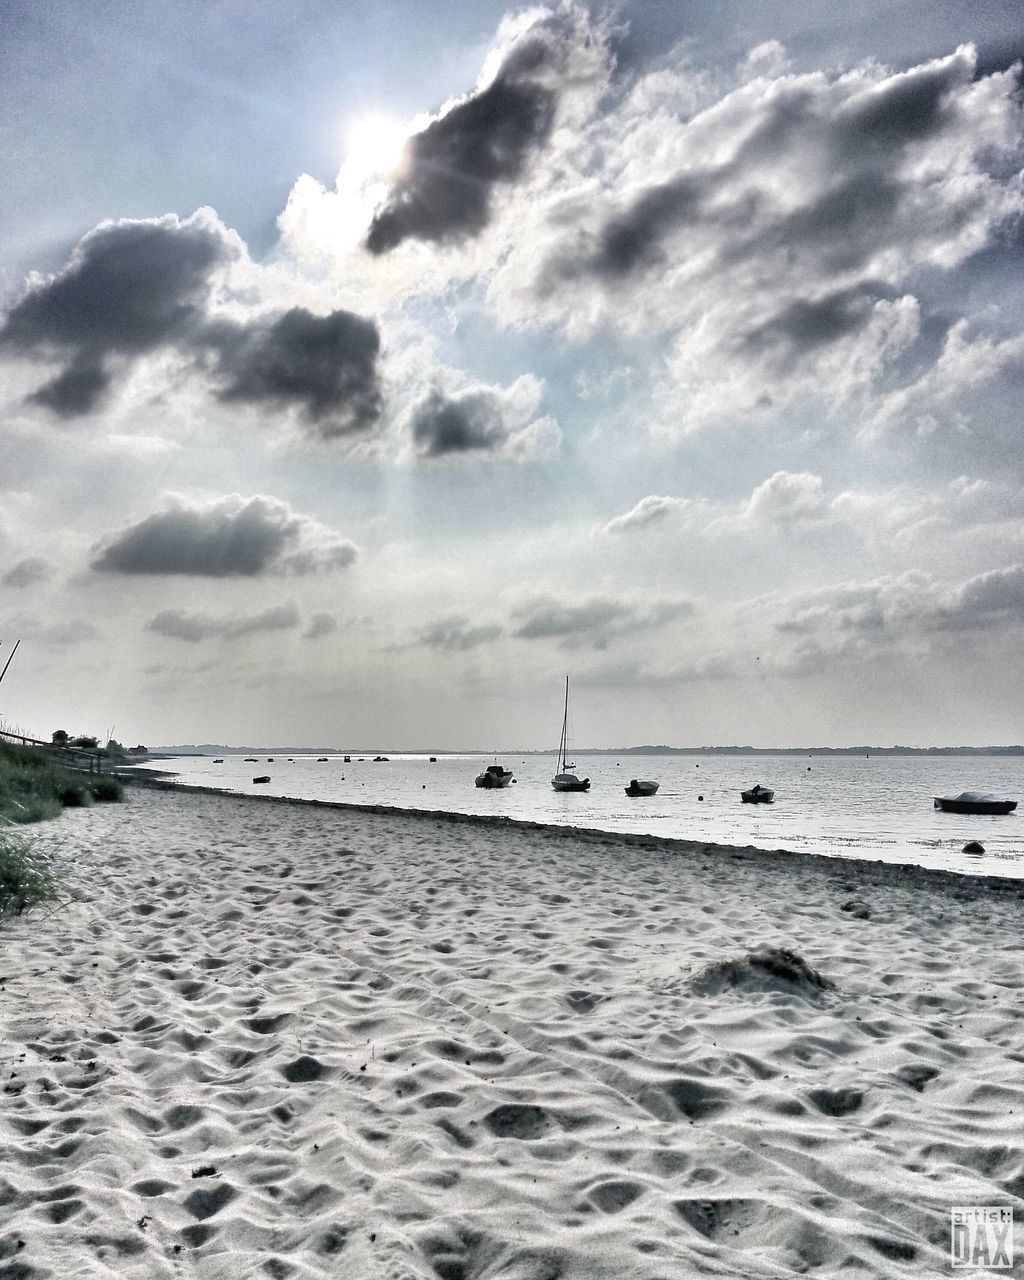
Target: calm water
877 807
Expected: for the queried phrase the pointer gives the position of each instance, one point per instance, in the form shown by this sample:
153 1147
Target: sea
852 806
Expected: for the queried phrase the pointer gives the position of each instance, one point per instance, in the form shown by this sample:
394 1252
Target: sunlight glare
374 148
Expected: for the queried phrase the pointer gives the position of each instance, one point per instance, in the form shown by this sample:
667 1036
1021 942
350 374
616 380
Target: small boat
974 802
265 778
219 760
433 759
251 760
494 776
636 788
757 795
565 779
323 759
270 759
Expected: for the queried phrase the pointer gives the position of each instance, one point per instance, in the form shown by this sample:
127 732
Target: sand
274 1039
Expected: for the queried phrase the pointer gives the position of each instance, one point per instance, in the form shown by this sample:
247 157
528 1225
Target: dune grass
33 787
27 878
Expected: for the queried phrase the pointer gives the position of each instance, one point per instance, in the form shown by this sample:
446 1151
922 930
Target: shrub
105 788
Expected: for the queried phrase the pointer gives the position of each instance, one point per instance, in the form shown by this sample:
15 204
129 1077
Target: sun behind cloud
374 148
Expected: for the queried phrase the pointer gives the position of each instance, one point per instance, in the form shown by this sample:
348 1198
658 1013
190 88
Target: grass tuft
27 878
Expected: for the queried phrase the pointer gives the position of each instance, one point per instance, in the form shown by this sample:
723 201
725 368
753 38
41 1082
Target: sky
366 369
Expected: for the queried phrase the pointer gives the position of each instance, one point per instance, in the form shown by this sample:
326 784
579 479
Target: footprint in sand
518 1120
614 1196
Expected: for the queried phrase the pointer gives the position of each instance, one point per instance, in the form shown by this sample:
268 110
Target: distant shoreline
207 749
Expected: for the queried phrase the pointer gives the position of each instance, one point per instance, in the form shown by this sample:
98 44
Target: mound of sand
769 969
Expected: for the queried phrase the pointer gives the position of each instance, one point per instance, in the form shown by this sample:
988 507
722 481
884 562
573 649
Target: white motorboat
494 776
637 788
565 779
757 795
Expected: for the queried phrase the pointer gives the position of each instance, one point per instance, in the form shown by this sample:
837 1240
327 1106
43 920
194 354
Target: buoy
974 846
700 797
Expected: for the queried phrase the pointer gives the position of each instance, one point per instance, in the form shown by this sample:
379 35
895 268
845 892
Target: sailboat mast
565 722
10 659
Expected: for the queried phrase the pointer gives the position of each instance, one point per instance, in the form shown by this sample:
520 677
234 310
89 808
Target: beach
282 1039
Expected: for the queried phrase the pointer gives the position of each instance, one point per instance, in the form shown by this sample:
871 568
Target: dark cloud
181 624
136 287
457 634
325 366
803 324
129 288
633 240
28 572
594 622
482 420
441 424
228 537
904 109
78 389
451 168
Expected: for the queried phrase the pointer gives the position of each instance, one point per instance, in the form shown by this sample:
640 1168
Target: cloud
908 613
450 168
59 635
137 288
181 624
324 366
971 362
28 572
457 634
648 511
320 625
224 537
775 234
129 288
788 499
595 621
480 420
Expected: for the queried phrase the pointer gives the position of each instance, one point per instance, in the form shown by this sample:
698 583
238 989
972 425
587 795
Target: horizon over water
875 807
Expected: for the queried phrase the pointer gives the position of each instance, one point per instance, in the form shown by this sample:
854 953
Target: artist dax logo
981 1235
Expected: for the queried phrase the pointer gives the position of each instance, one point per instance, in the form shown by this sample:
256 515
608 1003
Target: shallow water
856 807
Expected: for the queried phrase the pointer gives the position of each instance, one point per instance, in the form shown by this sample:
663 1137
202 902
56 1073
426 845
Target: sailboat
565 779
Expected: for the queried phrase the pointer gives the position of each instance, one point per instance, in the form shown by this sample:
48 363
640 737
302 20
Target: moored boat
494 776
565 779
757 795
974 802
638 788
